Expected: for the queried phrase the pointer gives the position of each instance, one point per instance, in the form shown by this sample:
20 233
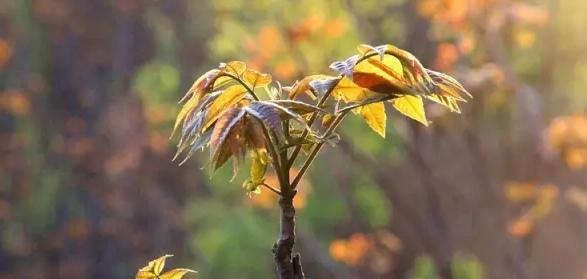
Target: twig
271 188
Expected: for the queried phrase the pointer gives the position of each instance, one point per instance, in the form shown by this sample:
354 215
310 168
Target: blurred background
89 90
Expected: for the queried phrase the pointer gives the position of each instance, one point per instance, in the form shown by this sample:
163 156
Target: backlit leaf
412 107
199 85
311 85
237 68
187 107
448 86
254 78
199 143
374 114
224 125
254 134
177 273
345 67
366 49
230 97
297 106
450 103
266 114
412 66
221 156
154 268
323 85
283 111
259 161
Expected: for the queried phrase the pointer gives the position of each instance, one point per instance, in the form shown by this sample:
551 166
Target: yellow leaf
389 68
200 84
412 107
303 86
258 165
255 78
446 101
234 67
374 114
153 269
230 97
177 273
348 91
187 108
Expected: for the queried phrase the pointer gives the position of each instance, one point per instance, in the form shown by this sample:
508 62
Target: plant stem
244 85
322 100
317 148
288 267
272 189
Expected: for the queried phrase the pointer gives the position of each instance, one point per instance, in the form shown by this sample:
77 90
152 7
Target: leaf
224 126
266 114
382 76
413 68
230 97
254 78
221 156
259 161
154 268
412 107
187 108
198 143
446 101
297 106
237 68
349 91
284 112
374 114
310 85
321 86
177 273
228 139
448 86
345 67
254 133
366 49
200 85
389 67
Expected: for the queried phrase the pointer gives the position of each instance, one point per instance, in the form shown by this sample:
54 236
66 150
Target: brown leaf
224 125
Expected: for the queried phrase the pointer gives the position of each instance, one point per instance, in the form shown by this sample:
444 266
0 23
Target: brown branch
288 267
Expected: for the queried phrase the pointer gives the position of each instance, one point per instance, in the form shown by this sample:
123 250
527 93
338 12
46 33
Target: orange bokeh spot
267 199
446 56
351 251
15 102
5 52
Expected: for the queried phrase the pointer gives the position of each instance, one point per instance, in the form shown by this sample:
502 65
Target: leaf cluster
223 111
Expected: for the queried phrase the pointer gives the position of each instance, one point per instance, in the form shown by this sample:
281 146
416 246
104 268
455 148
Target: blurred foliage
88 93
